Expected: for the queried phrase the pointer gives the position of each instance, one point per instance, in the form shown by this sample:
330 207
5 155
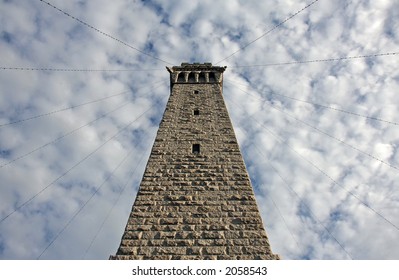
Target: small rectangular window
196 91
196 148
196 112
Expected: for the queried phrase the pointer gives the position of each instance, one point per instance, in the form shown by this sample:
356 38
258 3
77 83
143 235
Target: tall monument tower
195 199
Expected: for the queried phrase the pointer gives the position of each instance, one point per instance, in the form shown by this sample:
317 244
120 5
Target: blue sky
325 176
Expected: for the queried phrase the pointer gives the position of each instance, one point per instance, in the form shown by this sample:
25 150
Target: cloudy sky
312 93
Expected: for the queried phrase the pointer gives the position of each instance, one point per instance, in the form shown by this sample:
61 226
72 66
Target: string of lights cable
307 207
120 106
113 205
268 32
61 110
335 138
325 228
72 167
98 188
317 60
275 204
323 132
76 70
323 106
335 182
105 34
74 106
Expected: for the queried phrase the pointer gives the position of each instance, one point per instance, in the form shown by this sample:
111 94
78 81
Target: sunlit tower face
195 199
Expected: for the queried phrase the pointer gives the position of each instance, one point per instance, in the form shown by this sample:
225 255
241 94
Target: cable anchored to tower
269 31
105 34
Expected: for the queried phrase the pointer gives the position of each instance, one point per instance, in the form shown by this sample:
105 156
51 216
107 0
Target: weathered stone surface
170 250
195 205
220 250
194 250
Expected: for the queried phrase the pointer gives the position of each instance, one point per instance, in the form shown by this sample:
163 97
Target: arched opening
202 77
191 77
212 77
180 77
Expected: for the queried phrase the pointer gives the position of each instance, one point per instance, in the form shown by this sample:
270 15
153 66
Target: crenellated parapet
196 73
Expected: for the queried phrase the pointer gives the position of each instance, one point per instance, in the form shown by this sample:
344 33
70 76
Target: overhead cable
113 206
71 107
76 70
85 203
316 60
269 31
335 182
275 204
64 135
105 34
325 106
287 185
61 110
74 166
325 133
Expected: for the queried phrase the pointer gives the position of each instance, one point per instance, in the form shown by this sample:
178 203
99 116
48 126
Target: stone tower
195 199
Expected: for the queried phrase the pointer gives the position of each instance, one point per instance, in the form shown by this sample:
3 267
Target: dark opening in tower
196 148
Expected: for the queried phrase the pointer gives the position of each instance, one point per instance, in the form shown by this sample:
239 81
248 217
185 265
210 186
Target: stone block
131 250
170 221
213 235
170 250
194 251
146 251
132 235
217 250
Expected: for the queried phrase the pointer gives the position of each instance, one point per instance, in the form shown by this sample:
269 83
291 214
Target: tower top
192 73
197 66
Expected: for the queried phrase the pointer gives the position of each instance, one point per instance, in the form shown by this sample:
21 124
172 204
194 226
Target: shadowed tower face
195 199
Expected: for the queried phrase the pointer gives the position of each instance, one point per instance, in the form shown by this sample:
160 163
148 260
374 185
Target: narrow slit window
196 148
196 112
